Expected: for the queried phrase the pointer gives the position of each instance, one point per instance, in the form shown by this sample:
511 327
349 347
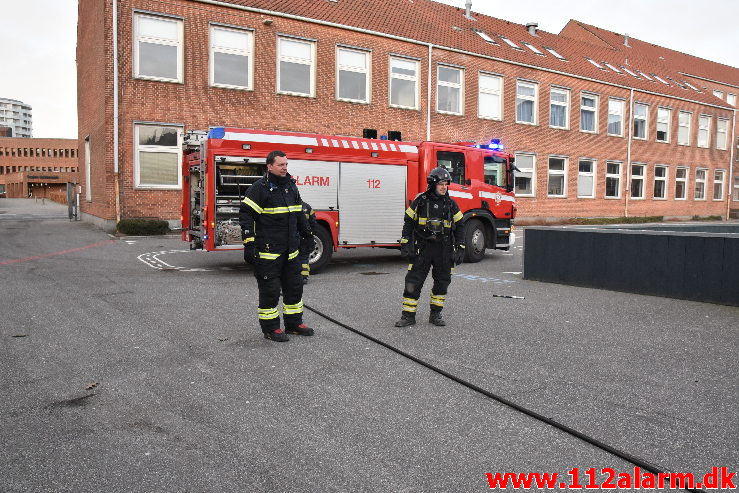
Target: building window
681 183
157 157
613 180
559 108
88 187
718 184
449 89
526 102
296 67
557 177
700 184
664 115
683 131
637 181
722 127
231 58
490 97
704 131
660 182
731 99
615 117
586 179
525 182
735 198
352 78
403 83
641 115
589 113
718 94
158 48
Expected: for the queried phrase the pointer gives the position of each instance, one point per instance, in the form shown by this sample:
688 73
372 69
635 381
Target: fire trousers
281 273
432 255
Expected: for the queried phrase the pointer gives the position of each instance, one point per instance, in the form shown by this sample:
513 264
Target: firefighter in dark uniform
433 237
307 244
272 225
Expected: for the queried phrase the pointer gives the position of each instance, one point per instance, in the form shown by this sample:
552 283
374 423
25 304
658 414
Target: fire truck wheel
474 241
323 249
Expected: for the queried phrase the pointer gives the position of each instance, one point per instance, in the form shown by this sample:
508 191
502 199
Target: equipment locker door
318 182
372 201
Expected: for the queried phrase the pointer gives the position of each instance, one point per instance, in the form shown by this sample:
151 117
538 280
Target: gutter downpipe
628 155
428 97
115 115
730 185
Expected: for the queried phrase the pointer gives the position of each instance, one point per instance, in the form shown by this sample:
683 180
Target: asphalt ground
134 364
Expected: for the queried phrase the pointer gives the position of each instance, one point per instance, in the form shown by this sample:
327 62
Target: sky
38 41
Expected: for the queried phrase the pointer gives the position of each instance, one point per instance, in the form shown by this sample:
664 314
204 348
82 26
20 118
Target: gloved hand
459 255
307 245
406 251
249 253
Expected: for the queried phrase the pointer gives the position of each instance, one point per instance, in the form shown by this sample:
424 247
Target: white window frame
613 176
735 196
594 109
367 71
492 92
704 127
138 38
681 125
297 60
661 120
718 94
88 172
700 181
638 178
415 79
557 173
731 98
565 105
722 133
531 170
534 98
663 179
645 119
137 148
719 182
683 180
453 85
591 174
612 112
247 52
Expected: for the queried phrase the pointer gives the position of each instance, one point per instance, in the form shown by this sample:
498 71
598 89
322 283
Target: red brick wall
95 105
195 105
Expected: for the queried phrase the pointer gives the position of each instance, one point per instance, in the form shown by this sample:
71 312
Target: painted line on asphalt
152 260
62 252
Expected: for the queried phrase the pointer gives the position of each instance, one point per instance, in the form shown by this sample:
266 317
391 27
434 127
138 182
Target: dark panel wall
700 267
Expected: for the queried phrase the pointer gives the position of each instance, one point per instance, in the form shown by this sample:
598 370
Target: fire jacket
433 218
271 215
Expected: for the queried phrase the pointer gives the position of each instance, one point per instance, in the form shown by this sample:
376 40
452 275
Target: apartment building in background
17 116
600 124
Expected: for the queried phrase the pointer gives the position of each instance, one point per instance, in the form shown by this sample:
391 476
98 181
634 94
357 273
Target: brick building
601 125
37 167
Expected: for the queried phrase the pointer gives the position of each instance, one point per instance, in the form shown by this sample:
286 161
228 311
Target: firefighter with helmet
432 239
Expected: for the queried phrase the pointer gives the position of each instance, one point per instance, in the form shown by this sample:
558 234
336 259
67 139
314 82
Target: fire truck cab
359 188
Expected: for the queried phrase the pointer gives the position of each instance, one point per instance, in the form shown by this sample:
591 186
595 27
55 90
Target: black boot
435 318
406 320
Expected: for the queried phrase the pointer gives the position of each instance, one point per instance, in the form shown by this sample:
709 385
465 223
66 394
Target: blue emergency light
494 144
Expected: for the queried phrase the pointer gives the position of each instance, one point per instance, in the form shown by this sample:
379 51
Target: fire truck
359 188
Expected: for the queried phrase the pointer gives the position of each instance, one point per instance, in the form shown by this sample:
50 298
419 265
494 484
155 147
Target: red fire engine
359 188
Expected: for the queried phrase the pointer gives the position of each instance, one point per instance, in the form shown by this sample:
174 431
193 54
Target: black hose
592 441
